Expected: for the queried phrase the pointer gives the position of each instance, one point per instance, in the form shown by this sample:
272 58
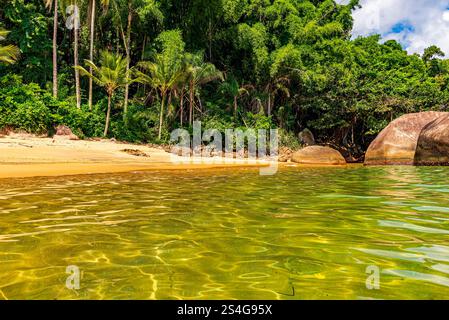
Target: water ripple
305 233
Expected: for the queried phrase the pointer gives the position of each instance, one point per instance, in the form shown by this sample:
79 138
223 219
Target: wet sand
24 155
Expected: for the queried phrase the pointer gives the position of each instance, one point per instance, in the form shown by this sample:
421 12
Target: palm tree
92 9
163 76
49 4
126 35
276 85
233 88
8 54
73 22
92 13
111 75
131 8
119 7
199 73
180 89
75 53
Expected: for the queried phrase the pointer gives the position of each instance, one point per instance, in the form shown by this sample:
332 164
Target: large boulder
317 155
433 143
306 138
396 144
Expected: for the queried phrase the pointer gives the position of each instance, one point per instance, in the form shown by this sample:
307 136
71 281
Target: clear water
305 233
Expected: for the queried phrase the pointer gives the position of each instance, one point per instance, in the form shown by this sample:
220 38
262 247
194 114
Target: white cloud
446 16
416 24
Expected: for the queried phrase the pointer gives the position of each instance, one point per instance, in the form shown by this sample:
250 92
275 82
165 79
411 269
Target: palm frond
48 4
9 54
3 34
111 72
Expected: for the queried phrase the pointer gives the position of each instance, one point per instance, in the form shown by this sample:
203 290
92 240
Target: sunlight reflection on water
227 234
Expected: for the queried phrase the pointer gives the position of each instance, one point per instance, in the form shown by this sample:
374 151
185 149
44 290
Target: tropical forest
134 70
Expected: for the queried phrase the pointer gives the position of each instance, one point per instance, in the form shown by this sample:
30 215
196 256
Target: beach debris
136 152
25 145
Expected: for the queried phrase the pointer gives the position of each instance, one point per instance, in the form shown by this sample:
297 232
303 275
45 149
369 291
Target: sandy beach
23 155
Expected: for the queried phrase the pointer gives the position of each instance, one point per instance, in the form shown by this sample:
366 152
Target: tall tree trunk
128 52
182 106
142 58
117 31
169 99
354 121
144 44
269 104
91 49
210 39
235 108
191 103
108 116
77 73
55 50
161 117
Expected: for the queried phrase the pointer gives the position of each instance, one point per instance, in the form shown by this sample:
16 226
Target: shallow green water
305 233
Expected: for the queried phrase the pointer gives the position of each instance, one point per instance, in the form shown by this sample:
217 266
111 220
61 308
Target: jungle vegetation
136 69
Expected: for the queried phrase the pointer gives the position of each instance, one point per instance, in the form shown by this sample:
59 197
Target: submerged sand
24 155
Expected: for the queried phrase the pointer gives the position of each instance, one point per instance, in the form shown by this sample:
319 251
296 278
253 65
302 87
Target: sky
416 24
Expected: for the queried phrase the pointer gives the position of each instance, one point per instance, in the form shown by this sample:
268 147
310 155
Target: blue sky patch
402 26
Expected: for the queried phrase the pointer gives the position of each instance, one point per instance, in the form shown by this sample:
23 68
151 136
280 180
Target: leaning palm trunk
191 103
108 116
77 74
55 50
235 107
181 116
91 49
269 104
128 53
161 117
125 107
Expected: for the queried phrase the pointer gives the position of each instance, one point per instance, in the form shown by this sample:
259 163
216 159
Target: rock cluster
413 139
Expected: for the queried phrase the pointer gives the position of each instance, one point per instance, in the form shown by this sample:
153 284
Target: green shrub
216 122
27 107
35 118
289 140
84 123
258 121
22 106
138 125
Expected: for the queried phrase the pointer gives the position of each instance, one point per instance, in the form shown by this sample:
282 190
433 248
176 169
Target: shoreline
25 156
62 169
28 156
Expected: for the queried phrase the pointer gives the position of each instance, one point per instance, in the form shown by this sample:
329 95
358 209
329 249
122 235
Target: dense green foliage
30 108
289 64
